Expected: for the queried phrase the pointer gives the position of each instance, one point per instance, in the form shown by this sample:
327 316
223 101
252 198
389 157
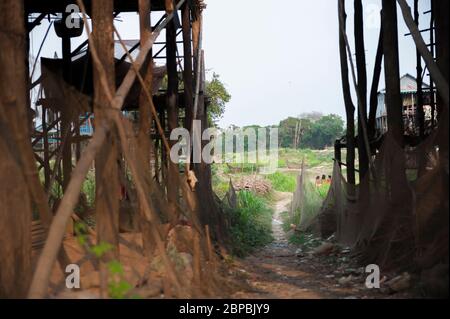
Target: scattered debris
399 283
346 281
254 184
324 249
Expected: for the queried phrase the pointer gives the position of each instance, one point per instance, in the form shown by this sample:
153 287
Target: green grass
88 188
313 158
250 223
283 182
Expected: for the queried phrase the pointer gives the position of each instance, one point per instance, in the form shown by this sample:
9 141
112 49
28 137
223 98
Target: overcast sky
276 60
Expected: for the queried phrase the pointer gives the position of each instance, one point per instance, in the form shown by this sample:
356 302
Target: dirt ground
283 270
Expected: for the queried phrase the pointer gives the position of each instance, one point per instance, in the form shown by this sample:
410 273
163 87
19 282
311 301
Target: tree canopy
217 96
312 130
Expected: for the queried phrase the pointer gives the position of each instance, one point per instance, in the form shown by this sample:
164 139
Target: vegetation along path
285 270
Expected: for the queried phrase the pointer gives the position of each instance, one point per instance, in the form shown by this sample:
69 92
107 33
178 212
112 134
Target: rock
324 249
400 283
299 252
345 250
346 281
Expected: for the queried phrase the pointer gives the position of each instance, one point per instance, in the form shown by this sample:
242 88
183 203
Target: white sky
276 60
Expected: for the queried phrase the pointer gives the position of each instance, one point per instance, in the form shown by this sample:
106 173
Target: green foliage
288 129
323 132
217 97
282 182
251 223
323 190
88 188
118 288
100 249
315 130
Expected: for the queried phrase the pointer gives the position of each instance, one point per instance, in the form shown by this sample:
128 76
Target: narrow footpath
283 270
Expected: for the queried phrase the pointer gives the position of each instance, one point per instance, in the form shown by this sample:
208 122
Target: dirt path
280 270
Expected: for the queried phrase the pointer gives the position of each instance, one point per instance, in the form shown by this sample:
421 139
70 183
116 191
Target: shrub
282 182
250 223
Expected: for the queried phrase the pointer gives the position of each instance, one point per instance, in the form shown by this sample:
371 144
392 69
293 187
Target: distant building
408 88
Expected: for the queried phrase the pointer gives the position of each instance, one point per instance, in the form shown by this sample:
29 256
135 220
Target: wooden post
420 112
172 111
337 152
145 116
432 50
106 161
394 106
362 86
349 107
374 89
391 70
66 113
442 58
47 168
15 204
188 70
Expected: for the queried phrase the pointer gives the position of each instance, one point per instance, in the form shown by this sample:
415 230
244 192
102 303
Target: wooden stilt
106 162
349 106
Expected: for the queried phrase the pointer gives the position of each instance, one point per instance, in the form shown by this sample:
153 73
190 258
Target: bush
250 223
282 182
88 188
